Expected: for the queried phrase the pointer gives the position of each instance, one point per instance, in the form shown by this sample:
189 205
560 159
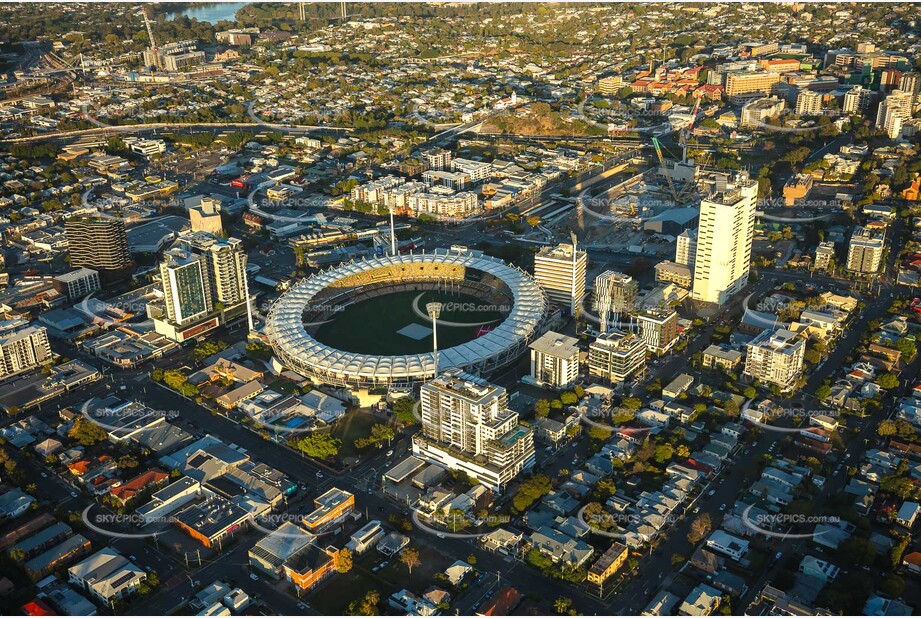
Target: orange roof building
129 489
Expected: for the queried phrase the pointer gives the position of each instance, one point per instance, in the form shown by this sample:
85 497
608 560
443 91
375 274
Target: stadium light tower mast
393 235
434 311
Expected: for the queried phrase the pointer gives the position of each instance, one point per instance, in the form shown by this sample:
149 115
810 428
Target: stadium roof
290 339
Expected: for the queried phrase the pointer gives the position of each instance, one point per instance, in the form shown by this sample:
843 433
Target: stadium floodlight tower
434 311
393 234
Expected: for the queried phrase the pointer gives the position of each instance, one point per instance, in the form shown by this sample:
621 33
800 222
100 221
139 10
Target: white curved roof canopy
290 339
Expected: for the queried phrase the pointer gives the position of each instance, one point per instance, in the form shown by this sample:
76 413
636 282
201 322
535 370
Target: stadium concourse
292 320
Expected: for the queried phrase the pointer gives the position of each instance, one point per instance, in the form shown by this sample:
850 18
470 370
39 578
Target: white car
254 577
722 508
712 492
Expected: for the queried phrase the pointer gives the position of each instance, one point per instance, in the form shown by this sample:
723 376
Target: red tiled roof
502 603
131 488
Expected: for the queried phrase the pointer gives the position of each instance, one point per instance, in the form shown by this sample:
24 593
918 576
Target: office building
808 103
555 360
560 271
22 347
797 188
616 356
724 241
329 509
467 426
742 86
865 251
78 283
857 100
100 244
204 285
775 357
686 248
610 85
608 564
658 328
614 295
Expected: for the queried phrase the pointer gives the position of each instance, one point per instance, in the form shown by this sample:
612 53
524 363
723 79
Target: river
211 12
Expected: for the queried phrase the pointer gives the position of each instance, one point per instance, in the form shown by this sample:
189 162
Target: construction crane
686 132
668 177
153 43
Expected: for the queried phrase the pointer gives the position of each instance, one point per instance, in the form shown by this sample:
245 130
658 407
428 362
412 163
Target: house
701 601
676 387
727 544
107 575
502 603
706 561
14 503
392 544
410 605
561 548
912 562
457 572
503 540
908 514
128 490
820 569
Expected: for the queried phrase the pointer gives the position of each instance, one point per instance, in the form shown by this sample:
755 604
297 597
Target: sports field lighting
434 311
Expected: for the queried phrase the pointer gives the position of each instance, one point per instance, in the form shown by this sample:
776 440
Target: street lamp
434 311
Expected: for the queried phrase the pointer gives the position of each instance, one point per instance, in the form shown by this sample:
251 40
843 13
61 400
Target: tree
344 560
683 452
562 606
86 432
888 381
366 606
542 407
823 392
750 392
319 445
410 558
530 491
404 410
700 528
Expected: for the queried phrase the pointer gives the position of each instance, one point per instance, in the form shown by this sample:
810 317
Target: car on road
73 494
319 475
722 508
133 558
712 492
696 510
44 475
254 577
778 555
440 535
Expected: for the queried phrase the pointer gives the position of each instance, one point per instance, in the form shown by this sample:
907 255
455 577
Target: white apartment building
808 103
78 283
555 360
857 100
204 285
22 347
616 356
560 271
478 171
724 241
775 357
893 112
865 251
686 248
467 426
